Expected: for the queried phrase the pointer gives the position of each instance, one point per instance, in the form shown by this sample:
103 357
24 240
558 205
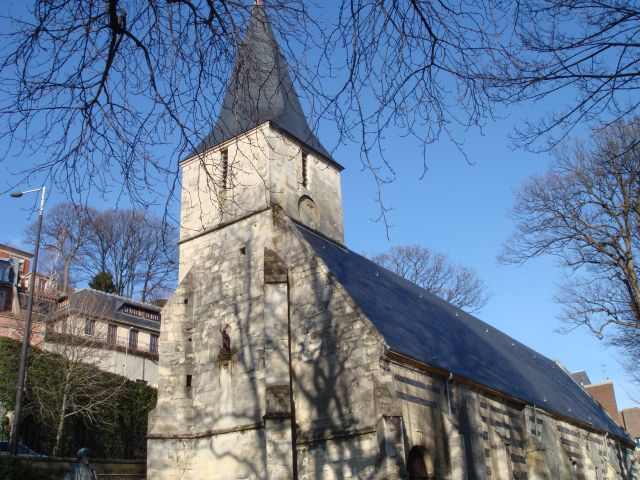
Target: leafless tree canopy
435 272
94 86
137 248
64 234
585 210
584 55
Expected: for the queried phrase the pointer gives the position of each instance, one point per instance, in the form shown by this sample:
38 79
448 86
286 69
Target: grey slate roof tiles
260 90
419 325
94 302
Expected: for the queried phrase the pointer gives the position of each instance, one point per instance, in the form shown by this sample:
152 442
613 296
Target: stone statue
81 469
226 341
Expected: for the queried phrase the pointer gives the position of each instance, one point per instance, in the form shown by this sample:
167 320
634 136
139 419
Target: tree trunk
65 276
61 417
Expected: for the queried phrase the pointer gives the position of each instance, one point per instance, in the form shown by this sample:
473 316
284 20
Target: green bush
120 434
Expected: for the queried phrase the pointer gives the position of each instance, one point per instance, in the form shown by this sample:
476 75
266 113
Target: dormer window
138 312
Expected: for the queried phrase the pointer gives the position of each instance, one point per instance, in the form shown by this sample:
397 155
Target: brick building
285 355
14 267
605 395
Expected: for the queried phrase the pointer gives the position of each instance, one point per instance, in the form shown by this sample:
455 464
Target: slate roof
103 304
419 325
581 378
260 90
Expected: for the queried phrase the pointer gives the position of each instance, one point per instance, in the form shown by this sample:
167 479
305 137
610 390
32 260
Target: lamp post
126 351
17 418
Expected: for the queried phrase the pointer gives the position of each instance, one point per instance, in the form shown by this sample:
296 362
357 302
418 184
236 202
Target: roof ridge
120 297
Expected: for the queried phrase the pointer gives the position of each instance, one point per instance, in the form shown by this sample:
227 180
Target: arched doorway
418 464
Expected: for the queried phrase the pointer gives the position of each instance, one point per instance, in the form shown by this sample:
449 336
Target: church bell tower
259 154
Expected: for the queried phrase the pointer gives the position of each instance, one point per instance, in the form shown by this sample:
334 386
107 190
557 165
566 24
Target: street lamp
17 418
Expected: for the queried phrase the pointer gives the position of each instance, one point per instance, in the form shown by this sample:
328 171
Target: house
116 334
119 335
14 266
605 395
283 354
631 422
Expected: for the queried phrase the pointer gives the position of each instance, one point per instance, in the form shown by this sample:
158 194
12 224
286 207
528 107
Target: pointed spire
260 90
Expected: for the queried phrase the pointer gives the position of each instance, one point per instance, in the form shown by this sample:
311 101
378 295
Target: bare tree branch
585 211
433 271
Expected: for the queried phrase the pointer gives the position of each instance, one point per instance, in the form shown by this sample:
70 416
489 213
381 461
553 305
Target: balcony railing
141 349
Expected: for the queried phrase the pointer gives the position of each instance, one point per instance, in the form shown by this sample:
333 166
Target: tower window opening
225 168
189 377
305 158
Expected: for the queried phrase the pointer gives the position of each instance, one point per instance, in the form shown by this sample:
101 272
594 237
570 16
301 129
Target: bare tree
433 271
99 85
137 249
64 232
73 389
584 55
585 211
111 80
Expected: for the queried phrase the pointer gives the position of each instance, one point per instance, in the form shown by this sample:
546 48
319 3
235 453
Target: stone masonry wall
471 434
210 398
205 204
335 355
264 169
317 204
213 412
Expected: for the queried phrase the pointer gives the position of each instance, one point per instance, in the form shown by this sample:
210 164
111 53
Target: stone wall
464 432
335 362
210 398
54 468
229 412
264 169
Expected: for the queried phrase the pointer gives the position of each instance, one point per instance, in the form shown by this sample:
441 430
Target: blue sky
457 208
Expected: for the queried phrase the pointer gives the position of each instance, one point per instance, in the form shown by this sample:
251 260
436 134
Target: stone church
284 355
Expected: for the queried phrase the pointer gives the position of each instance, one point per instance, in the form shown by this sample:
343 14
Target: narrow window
112 332
225 168
89 327
304 168
188 381
153 344
133 339
5 273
